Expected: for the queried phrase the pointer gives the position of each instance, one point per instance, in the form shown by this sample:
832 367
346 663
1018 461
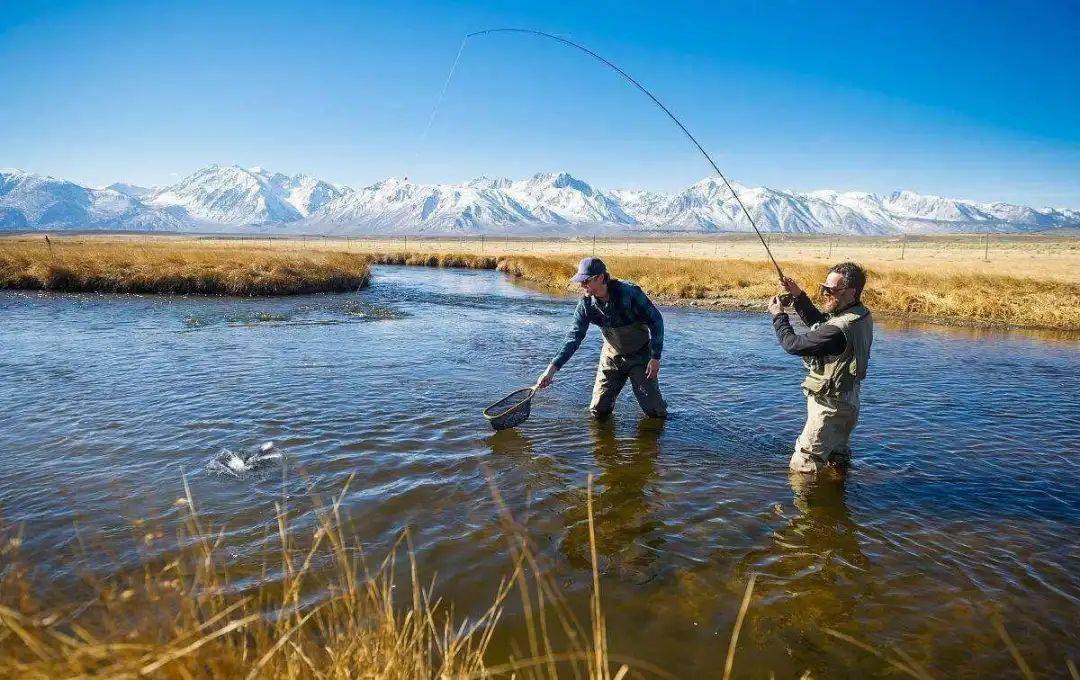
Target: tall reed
327 613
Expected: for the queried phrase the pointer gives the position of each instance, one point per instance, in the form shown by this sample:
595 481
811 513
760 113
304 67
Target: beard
830 304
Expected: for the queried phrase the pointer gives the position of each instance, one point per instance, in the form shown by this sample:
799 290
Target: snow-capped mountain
29 201
232 198
227 195
562 203
542 203
397 205
231 195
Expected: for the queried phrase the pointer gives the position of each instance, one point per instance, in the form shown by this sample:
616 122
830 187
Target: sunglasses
585 283
831 290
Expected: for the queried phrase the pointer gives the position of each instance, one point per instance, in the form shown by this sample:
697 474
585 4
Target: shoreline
952 296
518 268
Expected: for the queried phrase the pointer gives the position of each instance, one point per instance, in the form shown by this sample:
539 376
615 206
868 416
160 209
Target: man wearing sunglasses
633 332
836 351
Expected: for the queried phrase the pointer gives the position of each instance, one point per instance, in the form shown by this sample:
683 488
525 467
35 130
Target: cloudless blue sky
978 100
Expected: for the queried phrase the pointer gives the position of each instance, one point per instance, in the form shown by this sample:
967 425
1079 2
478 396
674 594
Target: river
964 499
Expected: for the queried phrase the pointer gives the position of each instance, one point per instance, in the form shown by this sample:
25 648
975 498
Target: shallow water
963 501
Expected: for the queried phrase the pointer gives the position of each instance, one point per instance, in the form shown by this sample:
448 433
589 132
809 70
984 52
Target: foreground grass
326 615
192 618
171 267
986 299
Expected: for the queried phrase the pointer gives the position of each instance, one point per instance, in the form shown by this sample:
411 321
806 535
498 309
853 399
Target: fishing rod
640 87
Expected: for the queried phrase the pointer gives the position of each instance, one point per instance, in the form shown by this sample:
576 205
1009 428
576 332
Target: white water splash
240 464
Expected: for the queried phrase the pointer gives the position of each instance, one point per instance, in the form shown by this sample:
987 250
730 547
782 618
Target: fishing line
633 82
438 102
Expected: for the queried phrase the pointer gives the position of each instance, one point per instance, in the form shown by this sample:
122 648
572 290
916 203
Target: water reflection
510 443
813 573
625 504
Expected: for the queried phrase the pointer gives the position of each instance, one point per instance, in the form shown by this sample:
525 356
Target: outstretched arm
574 337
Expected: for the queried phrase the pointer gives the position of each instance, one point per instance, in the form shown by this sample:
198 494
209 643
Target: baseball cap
589 267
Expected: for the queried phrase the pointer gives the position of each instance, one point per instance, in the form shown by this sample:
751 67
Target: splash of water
240 464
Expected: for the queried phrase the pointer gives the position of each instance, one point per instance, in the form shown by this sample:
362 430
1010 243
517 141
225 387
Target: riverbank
155 266
951 297
1035 293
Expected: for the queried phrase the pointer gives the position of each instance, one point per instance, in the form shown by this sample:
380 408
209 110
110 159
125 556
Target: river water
963 503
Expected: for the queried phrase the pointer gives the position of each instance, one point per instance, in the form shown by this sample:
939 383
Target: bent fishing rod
644 90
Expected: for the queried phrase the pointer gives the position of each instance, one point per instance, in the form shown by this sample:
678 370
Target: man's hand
788 285
547 377
775 307
652 369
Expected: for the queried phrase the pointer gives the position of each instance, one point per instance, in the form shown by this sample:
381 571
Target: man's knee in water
599 415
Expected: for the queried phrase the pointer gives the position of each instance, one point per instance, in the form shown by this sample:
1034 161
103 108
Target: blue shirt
626 304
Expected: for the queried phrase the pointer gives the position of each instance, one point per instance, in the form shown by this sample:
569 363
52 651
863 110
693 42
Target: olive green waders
624 356
832 395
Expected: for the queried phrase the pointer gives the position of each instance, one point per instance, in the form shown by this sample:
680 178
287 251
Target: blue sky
978 100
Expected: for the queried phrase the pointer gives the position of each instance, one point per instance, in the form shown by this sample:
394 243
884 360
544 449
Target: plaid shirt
626 304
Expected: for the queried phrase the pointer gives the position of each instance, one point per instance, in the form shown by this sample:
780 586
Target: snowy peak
28 200
399 205
232 197
306 194
543 202
228 195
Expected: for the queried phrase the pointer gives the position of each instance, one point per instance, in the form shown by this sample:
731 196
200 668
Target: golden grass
169 267
1039 256
191 618
1020 294
328 617
990 299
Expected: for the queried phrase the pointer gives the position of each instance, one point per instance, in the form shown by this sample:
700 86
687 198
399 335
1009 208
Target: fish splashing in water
240 464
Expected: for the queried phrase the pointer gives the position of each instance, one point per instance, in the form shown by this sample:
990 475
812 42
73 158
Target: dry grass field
174 267
1014 281
1042 257
950 296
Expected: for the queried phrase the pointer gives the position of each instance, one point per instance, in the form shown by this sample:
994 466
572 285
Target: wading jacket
836 350
627 305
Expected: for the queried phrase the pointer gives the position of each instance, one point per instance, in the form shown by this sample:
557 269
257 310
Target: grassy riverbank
946 297
175 267
1026 289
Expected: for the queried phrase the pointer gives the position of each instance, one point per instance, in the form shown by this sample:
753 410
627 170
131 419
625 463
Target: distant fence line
655 244
729 245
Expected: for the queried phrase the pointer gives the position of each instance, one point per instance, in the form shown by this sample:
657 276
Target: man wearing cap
633 332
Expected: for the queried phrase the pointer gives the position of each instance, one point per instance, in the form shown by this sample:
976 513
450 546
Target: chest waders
832 394
625 340
623 357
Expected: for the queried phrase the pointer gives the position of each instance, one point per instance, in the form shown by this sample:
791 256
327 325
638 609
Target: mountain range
230 198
